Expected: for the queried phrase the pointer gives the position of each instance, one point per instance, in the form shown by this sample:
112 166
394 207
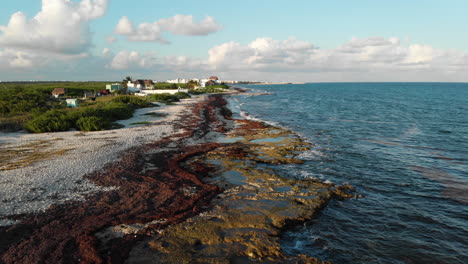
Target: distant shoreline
279 83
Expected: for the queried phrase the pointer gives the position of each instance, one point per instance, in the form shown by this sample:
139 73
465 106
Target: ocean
403 146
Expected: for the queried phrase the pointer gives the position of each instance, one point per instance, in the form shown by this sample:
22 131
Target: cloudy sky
267 40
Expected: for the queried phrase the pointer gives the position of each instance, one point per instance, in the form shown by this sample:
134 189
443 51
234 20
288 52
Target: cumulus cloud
62 26
150 61
19 59
260 54
125 27
15 59
178 24
132 60
365 54
185 25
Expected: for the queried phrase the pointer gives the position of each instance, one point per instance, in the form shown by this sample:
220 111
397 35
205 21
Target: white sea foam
307 175
313 154
248 116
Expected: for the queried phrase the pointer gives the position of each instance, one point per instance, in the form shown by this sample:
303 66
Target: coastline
152 188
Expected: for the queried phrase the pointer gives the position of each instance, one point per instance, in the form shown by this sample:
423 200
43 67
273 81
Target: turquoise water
404 146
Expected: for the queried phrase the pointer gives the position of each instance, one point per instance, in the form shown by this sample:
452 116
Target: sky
262 40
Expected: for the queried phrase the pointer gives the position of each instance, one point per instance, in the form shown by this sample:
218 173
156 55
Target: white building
178 80
169 91
203 82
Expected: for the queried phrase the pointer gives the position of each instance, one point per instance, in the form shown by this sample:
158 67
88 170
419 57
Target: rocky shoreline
187 198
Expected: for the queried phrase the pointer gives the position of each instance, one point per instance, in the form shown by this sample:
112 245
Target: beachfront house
72 102
210 83
57 92
149 84
103 92
114 87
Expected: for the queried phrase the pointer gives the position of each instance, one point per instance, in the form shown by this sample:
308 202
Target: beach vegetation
92 123
51 121
165 98
133 100
192 84
169 86
182 95
209 89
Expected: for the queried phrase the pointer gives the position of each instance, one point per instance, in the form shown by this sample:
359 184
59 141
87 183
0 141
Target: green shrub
20 100
182 95
164 86
77 113
210 89
92 123
133 100
14 123
116 111
163 98
50 121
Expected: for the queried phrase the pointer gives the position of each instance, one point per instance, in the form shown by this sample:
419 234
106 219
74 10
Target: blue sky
354 40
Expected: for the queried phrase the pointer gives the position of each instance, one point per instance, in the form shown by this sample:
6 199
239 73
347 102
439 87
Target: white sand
58 179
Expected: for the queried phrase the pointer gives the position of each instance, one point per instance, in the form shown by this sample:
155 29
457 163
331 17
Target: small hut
58 92
72 102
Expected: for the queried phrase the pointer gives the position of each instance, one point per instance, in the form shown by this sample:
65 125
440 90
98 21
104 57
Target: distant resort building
178 80
231 82
140 85
57 92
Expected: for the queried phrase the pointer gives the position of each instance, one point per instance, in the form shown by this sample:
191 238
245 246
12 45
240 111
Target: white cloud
62 27
133 60
366 54
262 53
125 27
178 24
360 59
185 25
15 59
149 61
420 54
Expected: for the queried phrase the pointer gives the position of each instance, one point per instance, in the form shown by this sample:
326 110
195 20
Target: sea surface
404 146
